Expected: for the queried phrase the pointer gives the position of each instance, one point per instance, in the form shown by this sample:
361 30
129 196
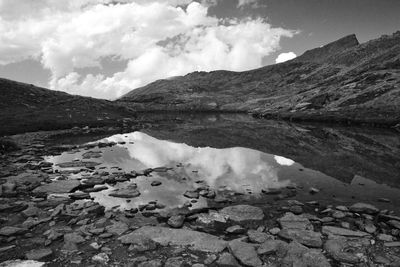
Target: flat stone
11 231
7 248
39 254
245 253
299 255
63 186
243 213
338 214
258 237
384 237
364 208
191 194
336 248
211 219
194 240
392 244
235 229
227 260
305 237
291 221
272 246
73 238
332 230
117 228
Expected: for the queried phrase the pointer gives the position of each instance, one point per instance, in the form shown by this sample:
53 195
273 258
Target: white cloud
251 3
285 57
157 38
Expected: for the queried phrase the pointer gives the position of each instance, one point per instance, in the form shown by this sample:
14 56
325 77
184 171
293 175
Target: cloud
156 38
285 57
251 3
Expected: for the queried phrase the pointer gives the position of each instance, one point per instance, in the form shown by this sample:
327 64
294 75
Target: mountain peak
320 54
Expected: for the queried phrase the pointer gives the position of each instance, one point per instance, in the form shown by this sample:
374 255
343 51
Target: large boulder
194 240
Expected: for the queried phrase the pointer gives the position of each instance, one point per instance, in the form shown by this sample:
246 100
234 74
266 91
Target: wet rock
342 208
258 237
91 154
338 214
95 189
364 208
101 258
332 230
176 221
11 231
299 255
227 260
125 193
296 209
291 221
242 213
235 229
39 254
196 241
212 219
191 194
245 253
272 246
305 237
63 186
369 227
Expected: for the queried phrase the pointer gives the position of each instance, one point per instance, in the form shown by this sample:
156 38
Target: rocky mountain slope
343 81
26 107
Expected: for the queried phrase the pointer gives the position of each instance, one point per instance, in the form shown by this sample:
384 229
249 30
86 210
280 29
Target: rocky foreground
49 218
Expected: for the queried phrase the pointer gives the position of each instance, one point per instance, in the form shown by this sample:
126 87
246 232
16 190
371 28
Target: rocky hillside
343 81
25 108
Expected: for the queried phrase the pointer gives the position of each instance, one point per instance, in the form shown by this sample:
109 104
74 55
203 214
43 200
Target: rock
305 237
211 219
176 221
364 208
227 260
235 229
73 238
272 246
394 223
6 248
245 253
291 221
101 258
271 191
79 164
125 193
143 244
196 241
155 183
22 263
62 186
369 227
79 195
342 208
174 262
39 254
274 230
384 237
338 214
313 190
91 154
258 237
11 231
31 211
299 255
391 244
151 263
191 194
296 209
117 228
332 230
242 213
336 248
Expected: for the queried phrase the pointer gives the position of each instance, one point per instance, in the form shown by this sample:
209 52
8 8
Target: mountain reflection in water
238 170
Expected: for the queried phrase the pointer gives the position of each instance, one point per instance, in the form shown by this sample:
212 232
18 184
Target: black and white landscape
199 133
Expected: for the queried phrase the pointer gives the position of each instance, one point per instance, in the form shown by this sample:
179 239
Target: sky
105 48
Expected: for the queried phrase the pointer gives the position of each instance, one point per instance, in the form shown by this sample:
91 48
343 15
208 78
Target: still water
244 158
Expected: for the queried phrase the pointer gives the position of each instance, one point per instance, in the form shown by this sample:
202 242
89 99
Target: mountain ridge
343 81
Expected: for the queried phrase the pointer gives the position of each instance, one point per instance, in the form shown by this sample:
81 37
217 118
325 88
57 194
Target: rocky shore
48 218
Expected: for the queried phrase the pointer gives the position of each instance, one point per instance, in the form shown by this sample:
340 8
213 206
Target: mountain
25 107
343 81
